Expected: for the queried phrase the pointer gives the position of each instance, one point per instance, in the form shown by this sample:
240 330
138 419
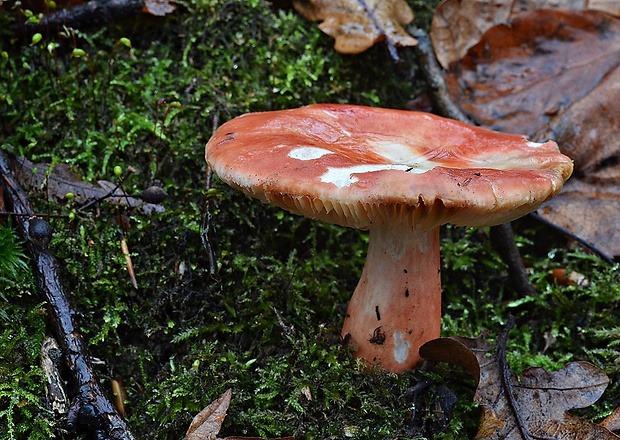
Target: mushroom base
396 306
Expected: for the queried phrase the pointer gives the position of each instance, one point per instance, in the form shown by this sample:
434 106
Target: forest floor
263 316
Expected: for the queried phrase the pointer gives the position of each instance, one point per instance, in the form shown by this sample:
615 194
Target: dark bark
91 410
502 237
89 15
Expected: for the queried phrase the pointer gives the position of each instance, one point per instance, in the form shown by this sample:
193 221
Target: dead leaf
533 406
61 180
612 422
588 128
208 422
358 24
521 75
458 24
564 277
159 7
590 213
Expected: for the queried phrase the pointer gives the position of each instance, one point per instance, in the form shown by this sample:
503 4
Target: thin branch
91 410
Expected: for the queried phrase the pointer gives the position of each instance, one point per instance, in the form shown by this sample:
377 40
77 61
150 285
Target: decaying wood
502 237
88 15
90 409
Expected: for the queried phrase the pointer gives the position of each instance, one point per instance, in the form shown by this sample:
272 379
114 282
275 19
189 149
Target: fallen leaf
61 180
358 24
159 7
589 213
521 76
612 422
533 406
458 24
208 422
565 277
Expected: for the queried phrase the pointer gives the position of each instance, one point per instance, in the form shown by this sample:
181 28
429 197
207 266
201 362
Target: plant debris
208 422
61 181
359 24
534 405
90 408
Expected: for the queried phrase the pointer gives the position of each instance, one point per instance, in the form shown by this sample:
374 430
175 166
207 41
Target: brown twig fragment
129 263
90 410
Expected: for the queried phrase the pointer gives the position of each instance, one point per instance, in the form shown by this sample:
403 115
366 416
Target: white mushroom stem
396 306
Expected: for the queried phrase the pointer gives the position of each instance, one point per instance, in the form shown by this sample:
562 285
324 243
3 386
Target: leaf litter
358 24
533 406
208 422
60 180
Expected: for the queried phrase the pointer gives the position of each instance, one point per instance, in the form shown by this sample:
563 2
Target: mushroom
400 175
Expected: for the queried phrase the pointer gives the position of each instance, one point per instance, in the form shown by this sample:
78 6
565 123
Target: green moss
22 324
266 322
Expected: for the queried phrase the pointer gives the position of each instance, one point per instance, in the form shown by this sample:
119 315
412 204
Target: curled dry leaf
458 24
358 24
533 406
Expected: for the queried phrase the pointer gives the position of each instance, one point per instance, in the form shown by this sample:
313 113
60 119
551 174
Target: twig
435 78
207 229
90 408
503 241
502 237
88 15
502 340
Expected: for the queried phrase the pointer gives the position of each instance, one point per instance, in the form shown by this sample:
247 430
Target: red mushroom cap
361 166
400 174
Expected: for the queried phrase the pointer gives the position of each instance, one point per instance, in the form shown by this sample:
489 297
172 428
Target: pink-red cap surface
362 166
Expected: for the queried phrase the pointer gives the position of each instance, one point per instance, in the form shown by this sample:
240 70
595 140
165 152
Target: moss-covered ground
264 319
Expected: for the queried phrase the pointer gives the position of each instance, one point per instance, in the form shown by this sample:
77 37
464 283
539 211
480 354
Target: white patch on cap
401 348
396 152
342 177
534 144
308 153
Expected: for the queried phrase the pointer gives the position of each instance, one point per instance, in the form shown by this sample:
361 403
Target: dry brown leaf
521 76
588 129
358 24
208 422
588 212
535 405
159 7
61 180
612 422
458 24
556 75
